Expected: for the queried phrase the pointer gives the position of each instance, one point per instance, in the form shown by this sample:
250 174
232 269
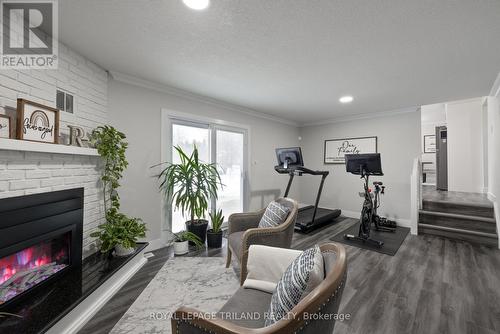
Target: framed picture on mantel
36 122
5 126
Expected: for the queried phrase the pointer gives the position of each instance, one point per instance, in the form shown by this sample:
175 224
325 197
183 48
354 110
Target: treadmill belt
323 216
305 216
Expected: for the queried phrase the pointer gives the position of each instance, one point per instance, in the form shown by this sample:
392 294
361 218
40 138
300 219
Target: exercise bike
379 221
366 165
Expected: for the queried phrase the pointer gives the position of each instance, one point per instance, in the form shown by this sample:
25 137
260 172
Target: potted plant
214 235
119 232
190 185
181 242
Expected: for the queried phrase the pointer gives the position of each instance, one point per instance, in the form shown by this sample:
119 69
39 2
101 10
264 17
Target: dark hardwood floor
432 285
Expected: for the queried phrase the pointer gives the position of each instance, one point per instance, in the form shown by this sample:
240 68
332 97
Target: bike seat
378 183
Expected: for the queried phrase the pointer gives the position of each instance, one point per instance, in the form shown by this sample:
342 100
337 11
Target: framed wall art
336 149
429 144
36 122
5 126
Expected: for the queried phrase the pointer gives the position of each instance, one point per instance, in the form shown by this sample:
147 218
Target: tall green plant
111 145
190 184
118 229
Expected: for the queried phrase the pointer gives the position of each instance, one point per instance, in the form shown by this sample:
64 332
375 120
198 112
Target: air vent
65 101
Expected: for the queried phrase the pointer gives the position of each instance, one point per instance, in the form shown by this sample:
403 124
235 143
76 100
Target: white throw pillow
302 276
266 265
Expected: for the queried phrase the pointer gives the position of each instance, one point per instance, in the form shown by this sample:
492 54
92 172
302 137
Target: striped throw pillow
274 215
304 274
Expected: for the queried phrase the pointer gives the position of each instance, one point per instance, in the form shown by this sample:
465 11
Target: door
186 135
442 158
224 146
230 159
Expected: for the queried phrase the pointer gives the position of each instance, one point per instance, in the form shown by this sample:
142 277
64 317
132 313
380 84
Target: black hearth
40 239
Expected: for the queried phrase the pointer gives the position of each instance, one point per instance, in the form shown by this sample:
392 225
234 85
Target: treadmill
310 217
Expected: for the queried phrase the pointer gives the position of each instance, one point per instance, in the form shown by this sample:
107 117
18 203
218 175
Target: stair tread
458 230
458 216
488 240
466 204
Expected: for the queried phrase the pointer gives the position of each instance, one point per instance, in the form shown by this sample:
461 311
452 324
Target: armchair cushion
302 276
274 215
246 308
266 265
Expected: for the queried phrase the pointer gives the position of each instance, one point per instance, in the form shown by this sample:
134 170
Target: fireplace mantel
28 146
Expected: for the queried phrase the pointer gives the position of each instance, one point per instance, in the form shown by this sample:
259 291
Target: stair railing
416 194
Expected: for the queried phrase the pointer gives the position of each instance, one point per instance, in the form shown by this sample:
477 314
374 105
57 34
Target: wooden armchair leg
228 260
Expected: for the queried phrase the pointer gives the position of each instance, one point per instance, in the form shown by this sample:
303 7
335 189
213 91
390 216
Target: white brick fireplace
23 171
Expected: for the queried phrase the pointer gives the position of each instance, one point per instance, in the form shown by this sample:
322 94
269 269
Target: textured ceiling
294 58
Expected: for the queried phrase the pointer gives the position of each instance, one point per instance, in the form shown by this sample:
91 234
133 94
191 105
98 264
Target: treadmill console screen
289 157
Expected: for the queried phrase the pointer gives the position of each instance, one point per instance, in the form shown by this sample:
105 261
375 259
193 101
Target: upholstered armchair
243 231
315 313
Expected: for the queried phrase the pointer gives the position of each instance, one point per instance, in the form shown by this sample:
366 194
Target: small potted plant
214 235
190 185
120 233
181 242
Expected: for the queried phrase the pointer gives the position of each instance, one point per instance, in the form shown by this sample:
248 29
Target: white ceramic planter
181 248
122 251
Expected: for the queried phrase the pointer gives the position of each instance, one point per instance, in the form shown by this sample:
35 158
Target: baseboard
80 315
353 214
155 244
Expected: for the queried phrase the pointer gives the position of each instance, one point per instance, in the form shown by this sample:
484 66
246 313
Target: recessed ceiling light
197 4
346 99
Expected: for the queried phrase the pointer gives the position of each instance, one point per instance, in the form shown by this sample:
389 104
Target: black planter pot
214 239
199 228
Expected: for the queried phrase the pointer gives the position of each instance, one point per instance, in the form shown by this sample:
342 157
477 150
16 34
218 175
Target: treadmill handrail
300 169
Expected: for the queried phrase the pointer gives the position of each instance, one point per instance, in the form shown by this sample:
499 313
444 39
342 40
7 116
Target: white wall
493 104
137 112
431 116
398 142
465 146
493 146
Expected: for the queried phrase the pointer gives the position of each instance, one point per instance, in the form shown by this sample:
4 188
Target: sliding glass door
230 158
226 147
186 136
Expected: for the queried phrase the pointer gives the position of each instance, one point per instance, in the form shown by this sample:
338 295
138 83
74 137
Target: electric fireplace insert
40 239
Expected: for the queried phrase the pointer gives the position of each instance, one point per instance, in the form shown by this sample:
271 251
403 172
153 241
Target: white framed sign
5 126
336 149
36 122
429 144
